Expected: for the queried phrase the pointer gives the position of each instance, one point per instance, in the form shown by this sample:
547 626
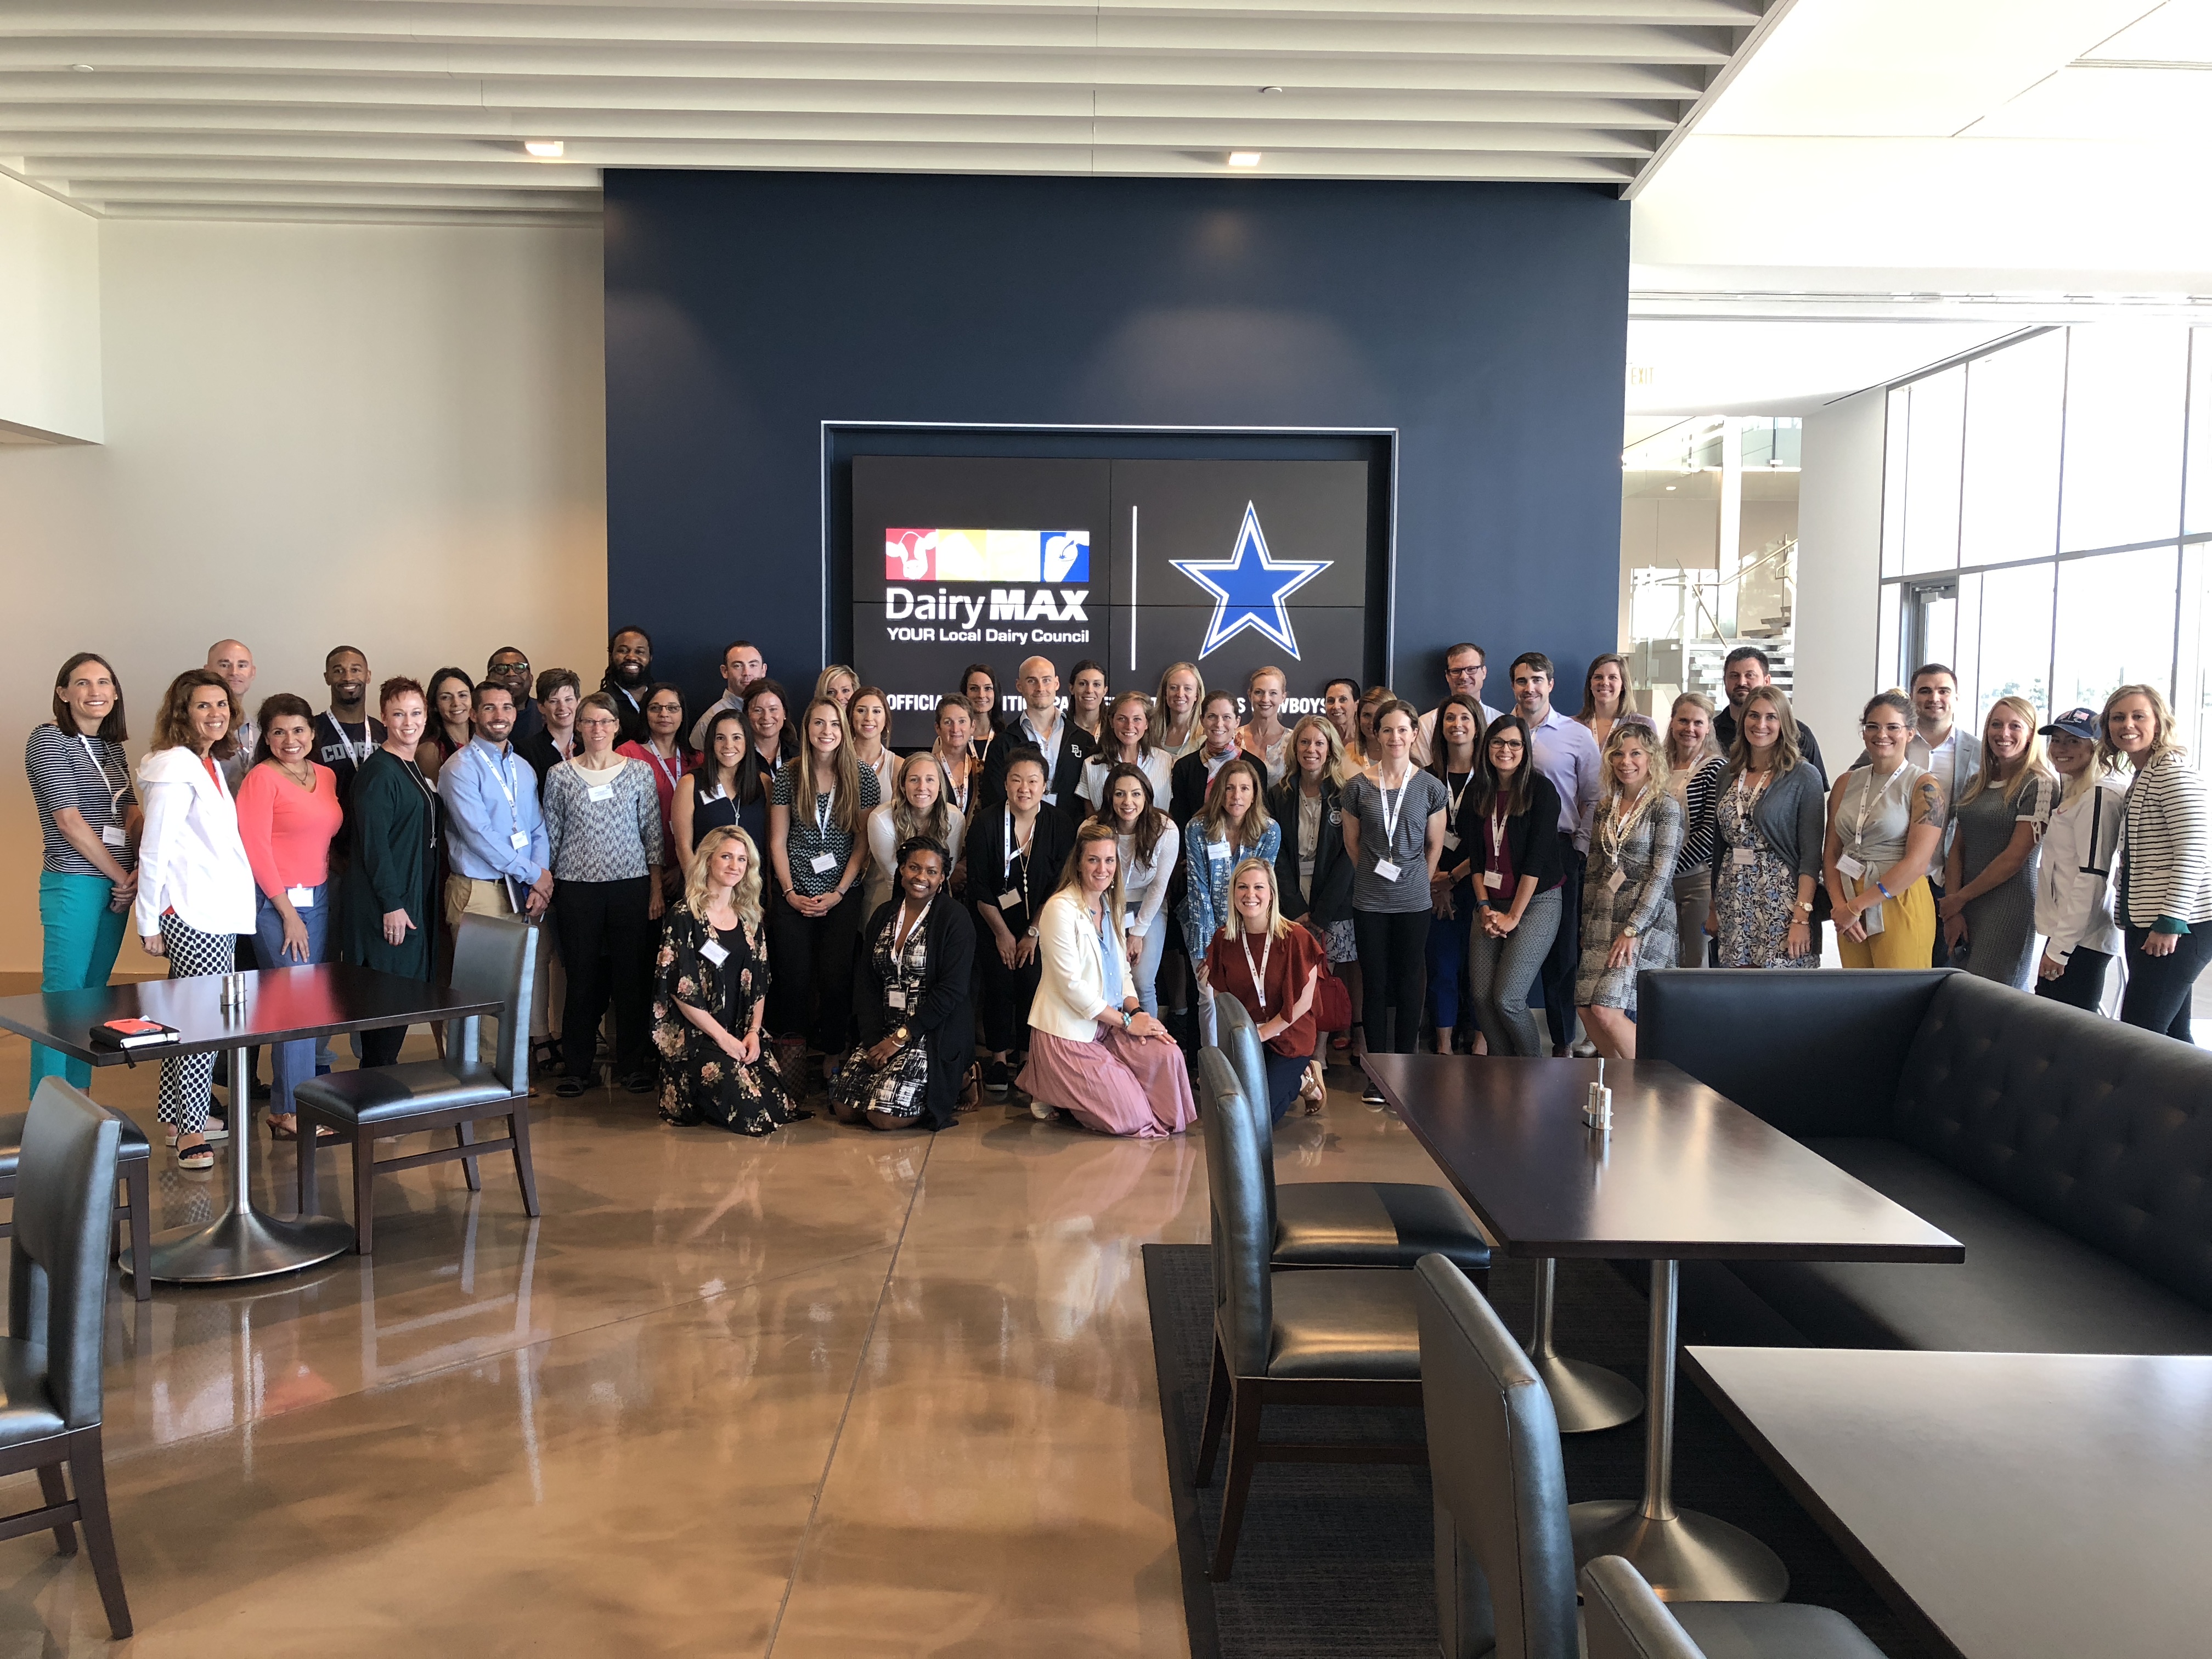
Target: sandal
201 1157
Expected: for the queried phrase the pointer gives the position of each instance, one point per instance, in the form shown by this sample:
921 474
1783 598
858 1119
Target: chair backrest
58 1258
1624 1619
495 957
1505 1560
1243 1239
1241 1048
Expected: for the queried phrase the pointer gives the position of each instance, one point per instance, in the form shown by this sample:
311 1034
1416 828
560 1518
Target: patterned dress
898 1088
1643 857
1755 901
699 1083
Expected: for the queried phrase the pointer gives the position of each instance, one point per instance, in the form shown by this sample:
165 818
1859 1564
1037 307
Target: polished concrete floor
827 1394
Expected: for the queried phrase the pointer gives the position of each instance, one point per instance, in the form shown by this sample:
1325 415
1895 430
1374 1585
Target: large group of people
761 902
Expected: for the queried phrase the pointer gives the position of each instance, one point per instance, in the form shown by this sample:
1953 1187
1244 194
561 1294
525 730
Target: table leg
1686 1556
1584 1397
245 1243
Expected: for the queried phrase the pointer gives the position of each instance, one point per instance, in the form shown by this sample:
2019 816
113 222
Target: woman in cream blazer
1094 1053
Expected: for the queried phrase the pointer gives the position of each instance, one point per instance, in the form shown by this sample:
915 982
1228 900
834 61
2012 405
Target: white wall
375 435
49 316
1838 569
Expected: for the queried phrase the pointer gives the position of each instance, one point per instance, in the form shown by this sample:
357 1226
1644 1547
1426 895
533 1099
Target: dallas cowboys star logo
1250 592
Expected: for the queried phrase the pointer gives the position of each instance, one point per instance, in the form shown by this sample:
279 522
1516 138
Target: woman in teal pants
88 819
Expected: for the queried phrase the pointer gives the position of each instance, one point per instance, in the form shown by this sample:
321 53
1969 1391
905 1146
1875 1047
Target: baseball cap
2073 723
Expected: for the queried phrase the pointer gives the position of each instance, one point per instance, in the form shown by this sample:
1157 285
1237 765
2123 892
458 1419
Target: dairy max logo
987 556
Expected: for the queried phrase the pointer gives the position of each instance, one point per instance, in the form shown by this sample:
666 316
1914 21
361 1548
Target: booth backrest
2101 1130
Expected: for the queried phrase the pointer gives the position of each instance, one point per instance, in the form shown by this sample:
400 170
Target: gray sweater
1791 818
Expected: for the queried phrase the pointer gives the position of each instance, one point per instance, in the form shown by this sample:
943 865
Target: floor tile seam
413 1378
852 1391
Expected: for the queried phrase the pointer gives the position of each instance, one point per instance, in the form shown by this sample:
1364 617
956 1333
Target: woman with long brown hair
1765 842
1605 698
1998 822
1695 766
1149 844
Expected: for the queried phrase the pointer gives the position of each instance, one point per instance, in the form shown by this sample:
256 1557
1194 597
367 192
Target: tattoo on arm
1927 801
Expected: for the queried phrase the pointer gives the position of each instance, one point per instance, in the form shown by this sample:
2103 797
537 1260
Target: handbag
1332 1004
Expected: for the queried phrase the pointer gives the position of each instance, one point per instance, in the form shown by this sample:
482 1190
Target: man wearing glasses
509 666
1466 667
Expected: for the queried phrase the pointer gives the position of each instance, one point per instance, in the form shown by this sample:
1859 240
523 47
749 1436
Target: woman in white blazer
1094 1053
196 888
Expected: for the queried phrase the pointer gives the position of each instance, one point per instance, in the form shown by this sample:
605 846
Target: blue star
1250 595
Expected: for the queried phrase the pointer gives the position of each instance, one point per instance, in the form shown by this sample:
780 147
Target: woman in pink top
665 757
288 813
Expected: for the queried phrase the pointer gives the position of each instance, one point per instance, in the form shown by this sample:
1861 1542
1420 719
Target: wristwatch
903 1035
1629 932
1806 905
1032 931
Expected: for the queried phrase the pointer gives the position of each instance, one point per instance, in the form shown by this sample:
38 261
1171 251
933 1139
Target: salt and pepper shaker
234 993
1597 1111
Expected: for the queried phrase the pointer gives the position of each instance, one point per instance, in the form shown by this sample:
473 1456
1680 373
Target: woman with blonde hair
1272 966
1094 1053
1695 767
2165 862
1989 875
917 806
1885 827
837 684
1628 913
711 985
2074 867
1764 843
1174 729
1233 825
817 818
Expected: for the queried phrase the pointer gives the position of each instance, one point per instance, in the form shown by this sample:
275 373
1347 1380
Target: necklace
306 782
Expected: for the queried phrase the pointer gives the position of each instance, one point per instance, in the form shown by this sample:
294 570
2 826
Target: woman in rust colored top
1272 966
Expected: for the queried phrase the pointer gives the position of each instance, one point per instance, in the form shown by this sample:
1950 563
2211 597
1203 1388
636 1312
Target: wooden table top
281 1004
2014 1505
1685 1174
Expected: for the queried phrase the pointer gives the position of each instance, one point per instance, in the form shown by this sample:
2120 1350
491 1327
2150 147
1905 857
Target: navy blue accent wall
1486 322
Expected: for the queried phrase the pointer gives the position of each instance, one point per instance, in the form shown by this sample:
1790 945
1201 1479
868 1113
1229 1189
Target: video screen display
1134 564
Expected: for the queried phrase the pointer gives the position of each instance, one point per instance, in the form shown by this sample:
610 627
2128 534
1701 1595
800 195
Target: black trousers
1564 959
381 1047
809 972
2159 987
2082 984
1007 993
606 945
1394 975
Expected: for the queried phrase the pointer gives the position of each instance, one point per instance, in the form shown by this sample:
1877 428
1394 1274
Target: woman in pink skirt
1093 1052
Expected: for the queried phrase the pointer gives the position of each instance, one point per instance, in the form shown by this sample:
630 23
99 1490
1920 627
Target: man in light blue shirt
1567 754
496 841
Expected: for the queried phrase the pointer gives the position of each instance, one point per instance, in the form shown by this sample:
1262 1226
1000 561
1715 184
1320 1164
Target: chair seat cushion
1348 1323
382 1094
133 1144
1770 1629
2025 1287
1368 1223
27 1411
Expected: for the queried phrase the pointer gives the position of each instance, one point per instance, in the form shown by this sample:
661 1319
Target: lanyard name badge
1012 898
1383 866
822 863
1749 852
345 741
903 932
520 838
714 951
1848 864
1260 973
1451 823
111 833
1493 880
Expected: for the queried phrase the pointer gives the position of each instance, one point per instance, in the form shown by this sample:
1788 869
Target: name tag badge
1743 855
1616 881
1493 879
1385 869
1452 840
1011 899
519 839
895 997
1217 849
111 834
823 863
1849 866
600 792
303 898
713 950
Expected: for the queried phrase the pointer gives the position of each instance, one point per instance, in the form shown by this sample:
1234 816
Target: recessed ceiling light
1670 486
1271 88
546 150
1243 158
82 68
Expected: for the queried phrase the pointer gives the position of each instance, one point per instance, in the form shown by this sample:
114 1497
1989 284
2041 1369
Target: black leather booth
2071 1155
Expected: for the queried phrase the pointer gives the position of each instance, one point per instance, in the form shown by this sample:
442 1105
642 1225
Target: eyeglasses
1874 729
522 667
1462 674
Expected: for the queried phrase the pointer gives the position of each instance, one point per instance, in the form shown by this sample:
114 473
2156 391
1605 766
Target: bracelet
1881 890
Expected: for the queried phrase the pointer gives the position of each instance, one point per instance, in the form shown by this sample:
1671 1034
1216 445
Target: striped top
814 832
2165 864
1698 796
90 774
615 837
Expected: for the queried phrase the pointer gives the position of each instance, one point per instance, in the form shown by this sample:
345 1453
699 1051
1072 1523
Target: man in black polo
1042 726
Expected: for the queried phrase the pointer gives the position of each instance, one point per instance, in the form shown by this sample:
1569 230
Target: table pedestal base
246 1244
1584 1397
1688 1557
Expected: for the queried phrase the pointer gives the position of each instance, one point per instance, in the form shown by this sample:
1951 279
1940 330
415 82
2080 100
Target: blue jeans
81 938
1286 1073
1144 975
1451 998
291 1063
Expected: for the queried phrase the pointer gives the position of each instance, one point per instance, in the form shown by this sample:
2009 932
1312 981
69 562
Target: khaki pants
467 897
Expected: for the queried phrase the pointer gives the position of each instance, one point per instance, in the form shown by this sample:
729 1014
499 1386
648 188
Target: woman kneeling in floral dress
710 993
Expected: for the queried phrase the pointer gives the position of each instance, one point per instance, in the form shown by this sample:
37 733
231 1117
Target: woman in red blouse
1271 966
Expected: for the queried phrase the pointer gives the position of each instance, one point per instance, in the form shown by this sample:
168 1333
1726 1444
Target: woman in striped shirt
2165 866
89 821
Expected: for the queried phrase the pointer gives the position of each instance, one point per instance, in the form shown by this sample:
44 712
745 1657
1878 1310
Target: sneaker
996 1076
1371 1095
1584 1050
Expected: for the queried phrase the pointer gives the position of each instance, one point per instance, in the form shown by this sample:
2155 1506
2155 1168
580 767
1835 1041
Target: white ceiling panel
414 109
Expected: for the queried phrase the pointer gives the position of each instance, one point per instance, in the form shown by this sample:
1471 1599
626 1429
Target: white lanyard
353 755
1390 815
902 930
506 787
1498 833
114 796
1460 797
1868 799
961 788
821 804
1260 973
672 771
1006 870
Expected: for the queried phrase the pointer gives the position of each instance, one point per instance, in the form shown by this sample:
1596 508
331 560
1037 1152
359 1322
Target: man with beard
497 846
1746 670
509 666
346 734
629 672
742 664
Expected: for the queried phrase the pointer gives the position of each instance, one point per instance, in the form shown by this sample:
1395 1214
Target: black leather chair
134 1160
1340 1337
1345 1223
1505 1557
1623 1617
50 1397
493 956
